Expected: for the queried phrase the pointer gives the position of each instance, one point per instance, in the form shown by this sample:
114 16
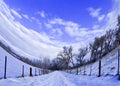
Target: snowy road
61 79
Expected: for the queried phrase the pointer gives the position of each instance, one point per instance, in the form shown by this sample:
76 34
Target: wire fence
10 68
110 65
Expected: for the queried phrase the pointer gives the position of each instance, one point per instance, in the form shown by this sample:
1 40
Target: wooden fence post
35 72
84 71
23 71
5 67
118 64
99 68
80 70
31 71
39 71
90 69
77 71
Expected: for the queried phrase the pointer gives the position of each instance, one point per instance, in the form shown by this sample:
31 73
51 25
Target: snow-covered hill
14 66
108 65
58 78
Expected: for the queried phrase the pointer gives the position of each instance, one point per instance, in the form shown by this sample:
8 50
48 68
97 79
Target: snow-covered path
61 79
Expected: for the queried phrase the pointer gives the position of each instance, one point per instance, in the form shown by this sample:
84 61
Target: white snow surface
59 78
109 65
14 66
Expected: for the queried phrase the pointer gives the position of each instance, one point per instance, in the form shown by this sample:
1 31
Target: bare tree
66 56
118 31
82 53
109 41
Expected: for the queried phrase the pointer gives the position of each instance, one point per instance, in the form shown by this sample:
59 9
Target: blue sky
44 11
48 25
66 9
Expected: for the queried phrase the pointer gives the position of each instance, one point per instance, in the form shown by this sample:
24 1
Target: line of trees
98 49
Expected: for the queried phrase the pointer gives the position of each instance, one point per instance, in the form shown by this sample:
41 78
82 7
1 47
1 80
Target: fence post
39 71
99 68
80 70
23 71
35 72
77 71
5 67
84 70
31 71
90 69
118 64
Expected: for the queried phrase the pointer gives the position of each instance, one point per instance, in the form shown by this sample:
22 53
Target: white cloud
75 30
41 13
33 18
112 15
48 25
100 18
95 13
57 32
36 44
95 26
24 41
57 21
16 13
25 16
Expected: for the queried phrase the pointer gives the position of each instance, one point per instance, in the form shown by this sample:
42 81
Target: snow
108 65
14 66
59 78
87 56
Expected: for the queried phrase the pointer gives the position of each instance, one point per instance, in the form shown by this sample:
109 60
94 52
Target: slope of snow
14 66
61 79
108 65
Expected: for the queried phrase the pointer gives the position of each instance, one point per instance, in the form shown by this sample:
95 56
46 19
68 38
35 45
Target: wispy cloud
36 44
95 13
79 34
16 13
24 40
111 17
25 16
95 26
41 13
57 32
